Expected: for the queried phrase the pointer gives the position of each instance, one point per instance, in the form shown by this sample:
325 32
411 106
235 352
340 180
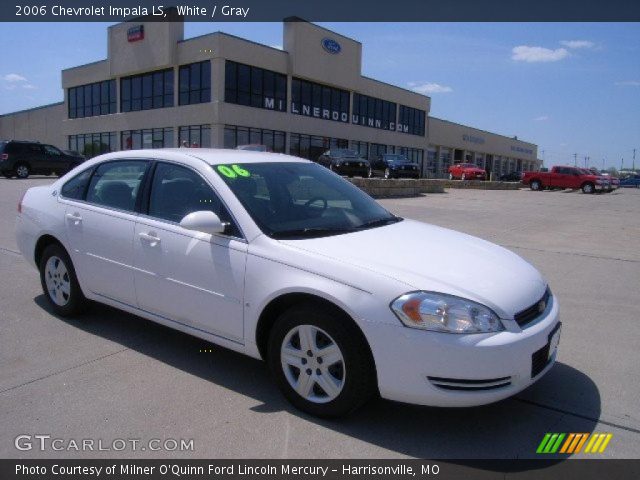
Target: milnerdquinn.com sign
326 114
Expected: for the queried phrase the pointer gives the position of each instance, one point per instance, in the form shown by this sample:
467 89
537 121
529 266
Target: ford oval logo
331 46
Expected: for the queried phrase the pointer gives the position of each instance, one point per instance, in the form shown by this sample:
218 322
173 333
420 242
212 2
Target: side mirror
204 221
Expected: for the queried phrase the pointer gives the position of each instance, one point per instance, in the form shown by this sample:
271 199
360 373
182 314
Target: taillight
4 156
20 202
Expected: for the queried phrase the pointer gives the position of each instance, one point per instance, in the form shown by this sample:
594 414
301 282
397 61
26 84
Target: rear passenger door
100 220
192 278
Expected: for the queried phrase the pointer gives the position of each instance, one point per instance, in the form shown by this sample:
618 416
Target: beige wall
39 124
453 135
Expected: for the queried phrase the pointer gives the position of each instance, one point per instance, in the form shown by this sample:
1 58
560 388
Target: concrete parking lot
110 375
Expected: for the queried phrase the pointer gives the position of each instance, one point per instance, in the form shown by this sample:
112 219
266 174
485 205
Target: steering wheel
311 201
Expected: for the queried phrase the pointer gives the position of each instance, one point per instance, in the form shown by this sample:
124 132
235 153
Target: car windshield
343 153
301 200
396 159
468 165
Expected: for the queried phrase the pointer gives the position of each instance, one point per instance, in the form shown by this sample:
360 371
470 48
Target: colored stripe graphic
551 443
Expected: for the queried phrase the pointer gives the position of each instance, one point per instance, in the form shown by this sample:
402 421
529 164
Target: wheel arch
43 242
285 301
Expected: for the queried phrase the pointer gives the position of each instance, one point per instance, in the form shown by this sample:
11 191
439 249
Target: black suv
393 165
21 159
345 162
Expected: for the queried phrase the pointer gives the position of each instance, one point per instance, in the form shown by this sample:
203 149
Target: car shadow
510 429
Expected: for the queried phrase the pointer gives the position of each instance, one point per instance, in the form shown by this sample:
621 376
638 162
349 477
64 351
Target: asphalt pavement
109 375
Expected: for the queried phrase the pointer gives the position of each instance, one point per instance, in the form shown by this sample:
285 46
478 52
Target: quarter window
116 184
177 191
76 187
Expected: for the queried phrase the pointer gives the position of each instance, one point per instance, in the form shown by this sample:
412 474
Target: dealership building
157 89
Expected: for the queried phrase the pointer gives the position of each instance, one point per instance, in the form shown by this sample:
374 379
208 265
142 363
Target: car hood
427 257
472 169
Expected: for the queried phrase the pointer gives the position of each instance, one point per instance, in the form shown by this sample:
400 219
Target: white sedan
281 259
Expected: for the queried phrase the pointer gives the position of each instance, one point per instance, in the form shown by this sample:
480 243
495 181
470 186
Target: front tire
60 283
588 188
450 176
319 363
463 177
387 173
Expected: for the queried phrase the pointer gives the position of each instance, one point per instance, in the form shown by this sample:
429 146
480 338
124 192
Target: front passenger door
192 278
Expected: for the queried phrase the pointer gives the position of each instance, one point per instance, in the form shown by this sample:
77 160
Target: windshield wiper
310 232
379 222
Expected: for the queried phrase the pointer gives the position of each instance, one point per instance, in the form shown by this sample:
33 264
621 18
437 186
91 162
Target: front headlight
444 313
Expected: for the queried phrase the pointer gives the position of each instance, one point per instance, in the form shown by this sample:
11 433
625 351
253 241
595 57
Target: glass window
76 187
255 87
373 112
147 91
301 200
177 191
147 138
195 83
411 120
116 184
92 99
92 144
235 136
319 101
194 136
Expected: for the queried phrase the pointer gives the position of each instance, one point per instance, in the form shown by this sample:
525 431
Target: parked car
277 258
466 171
393 165
21 159
345 162
253 147
630 181
511 177
565 177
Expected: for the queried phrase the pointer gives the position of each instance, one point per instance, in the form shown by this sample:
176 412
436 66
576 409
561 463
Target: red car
566 177
466 171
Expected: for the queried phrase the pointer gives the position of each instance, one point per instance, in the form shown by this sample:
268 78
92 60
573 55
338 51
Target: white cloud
629 83
29 86
525 53
279 47
541 118
13 78
577 43
429 87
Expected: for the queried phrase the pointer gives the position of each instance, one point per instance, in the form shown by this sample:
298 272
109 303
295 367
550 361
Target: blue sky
569 87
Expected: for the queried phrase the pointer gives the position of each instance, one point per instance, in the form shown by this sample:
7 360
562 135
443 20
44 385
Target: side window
116 184
177 191
52 150
76 187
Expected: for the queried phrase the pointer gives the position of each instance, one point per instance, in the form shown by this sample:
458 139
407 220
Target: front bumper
404 174
451 370
350 170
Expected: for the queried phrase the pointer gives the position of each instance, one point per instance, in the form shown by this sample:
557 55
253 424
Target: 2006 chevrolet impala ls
279 258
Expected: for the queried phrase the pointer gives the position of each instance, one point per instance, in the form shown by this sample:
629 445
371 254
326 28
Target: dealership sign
318 112
135 34
376 123
331 46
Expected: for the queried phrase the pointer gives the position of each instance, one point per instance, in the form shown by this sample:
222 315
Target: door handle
153 239
75 217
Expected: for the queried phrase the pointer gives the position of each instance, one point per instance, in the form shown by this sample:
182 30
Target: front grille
531 313
470 385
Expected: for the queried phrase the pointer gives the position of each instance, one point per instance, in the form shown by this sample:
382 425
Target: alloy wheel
56 277
313 364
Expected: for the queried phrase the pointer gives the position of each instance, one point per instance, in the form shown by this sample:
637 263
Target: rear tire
298 364
60 283
22 170
463 177
536 185
387 173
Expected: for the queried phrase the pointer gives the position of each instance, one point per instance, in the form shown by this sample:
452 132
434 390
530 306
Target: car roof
212 156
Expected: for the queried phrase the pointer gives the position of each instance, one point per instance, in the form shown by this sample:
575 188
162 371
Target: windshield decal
233 171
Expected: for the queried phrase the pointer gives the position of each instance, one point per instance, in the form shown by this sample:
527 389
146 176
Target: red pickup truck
564 177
